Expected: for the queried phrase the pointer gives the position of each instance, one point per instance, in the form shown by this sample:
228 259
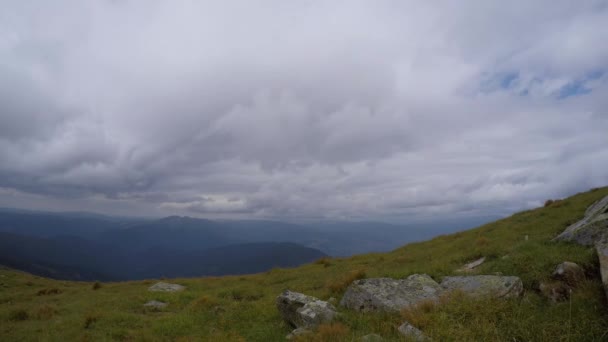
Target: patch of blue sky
580 86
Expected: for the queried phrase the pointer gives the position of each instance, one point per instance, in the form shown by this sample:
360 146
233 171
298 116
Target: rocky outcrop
166 287
412 333
387 294
302 311
485 285
591 228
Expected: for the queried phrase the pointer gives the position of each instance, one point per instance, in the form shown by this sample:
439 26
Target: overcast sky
384 110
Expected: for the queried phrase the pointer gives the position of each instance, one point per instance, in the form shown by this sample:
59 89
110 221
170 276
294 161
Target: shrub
342 283
46 292
96 285
89 320
548 202
18 315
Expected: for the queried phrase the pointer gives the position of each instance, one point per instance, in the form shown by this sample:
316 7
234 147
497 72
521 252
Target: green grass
242 307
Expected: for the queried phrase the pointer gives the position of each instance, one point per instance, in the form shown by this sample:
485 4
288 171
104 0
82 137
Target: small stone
570 273
297 332
371 338
302 311
471 266
412 332
166 287
155 304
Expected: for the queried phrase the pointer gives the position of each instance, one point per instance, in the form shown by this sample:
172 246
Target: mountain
179 233
243 307
85 246
66 257
46 224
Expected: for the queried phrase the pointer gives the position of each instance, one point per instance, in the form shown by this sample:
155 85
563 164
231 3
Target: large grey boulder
302 311
591 228
485 285
387 294
412 333
602 252
166 287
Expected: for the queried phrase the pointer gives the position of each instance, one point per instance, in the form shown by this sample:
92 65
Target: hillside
234 308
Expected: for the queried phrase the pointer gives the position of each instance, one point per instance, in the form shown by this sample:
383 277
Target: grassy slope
242 308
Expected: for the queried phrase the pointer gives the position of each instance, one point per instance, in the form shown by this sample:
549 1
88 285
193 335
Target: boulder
412 333
302 311
387 294
602 252
485 285
166 287
591 228
569 272
154 304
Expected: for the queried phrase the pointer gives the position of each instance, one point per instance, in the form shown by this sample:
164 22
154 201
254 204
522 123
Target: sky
343 110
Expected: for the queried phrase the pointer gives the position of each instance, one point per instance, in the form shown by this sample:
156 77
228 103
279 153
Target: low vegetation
242 308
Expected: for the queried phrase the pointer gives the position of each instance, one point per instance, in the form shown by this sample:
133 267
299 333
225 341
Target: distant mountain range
84 246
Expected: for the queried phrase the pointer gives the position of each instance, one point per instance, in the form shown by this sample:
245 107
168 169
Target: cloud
345 109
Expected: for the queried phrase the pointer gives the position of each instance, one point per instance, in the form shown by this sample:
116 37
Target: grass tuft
48 292
340 284
18 315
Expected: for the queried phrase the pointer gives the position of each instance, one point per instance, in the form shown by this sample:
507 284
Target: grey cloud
345 109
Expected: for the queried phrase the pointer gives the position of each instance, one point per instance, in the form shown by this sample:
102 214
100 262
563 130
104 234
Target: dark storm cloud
343 109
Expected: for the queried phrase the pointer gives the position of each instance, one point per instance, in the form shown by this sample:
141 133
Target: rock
485 285
570 273
412 332
591 228
602 253
371 338
297 332
302 311
155 304
556 291
166 287
387 294
470 266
